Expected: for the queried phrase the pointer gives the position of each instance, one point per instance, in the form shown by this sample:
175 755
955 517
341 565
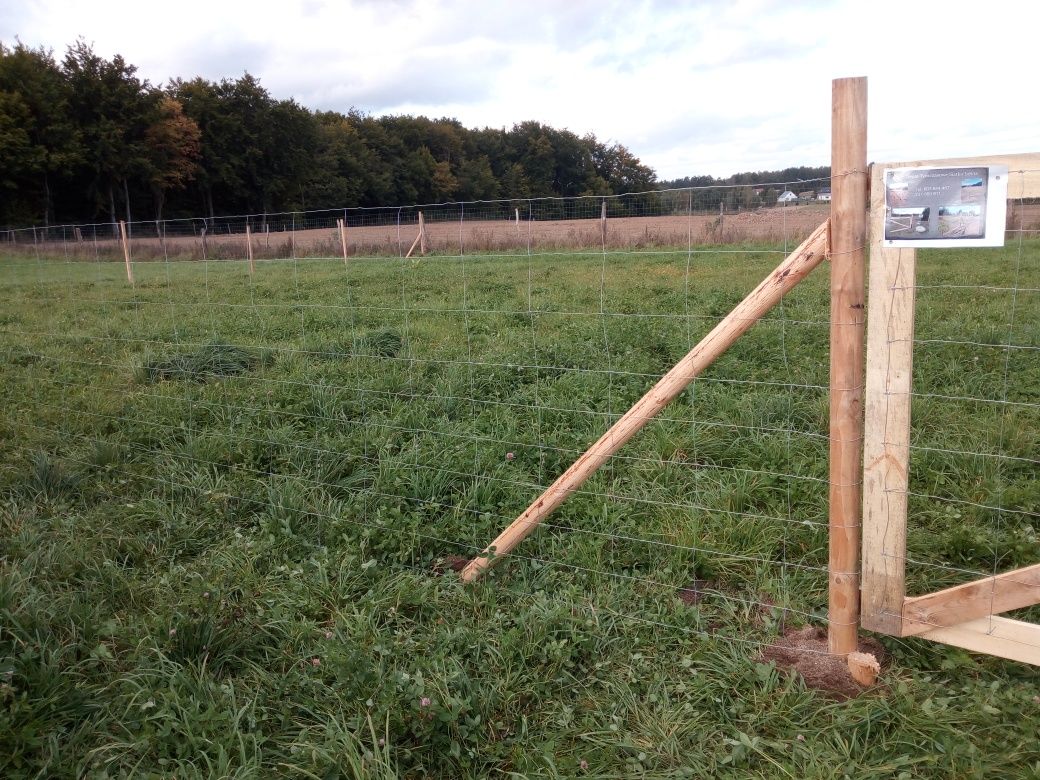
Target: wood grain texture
782 280
987 596
886 447
848 236
998 636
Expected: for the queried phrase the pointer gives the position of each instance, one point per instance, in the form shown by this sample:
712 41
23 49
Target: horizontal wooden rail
988 596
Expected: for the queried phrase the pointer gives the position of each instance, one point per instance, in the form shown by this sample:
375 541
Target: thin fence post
343 238
249 250
848 243
422 234
126 252
603 221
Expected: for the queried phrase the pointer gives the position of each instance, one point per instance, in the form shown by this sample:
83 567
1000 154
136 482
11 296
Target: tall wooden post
342 238
422 234
603 222
848 242
249 250
126 252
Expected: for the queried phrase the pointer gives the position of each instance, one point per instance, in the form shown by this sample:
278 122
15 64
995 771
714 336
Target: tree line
84 138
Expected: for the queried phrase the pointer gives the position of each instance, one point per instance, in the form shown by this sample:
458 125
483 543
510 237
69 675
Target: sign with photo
937 207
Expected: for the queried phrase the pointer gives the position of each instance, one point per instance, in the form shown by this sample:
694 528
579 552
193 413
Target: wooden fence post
249 250
343 238
420 240
603 222
848 242
126 253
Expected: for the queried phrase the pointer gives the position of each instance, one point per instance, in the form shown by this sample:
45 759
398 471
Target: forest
85 139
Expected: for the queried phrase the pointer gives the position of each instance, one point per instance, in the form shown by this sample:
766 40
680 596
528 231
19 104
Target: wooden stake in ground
782 280
342 238
126 253
863 667
603 223
848 261
249 250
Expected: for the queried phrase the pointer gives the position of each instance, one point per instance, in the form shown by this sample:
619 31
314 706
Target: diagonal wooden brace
782 280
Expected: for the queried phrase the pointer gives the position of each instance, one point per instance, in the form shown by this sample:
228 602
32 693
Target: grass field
231 507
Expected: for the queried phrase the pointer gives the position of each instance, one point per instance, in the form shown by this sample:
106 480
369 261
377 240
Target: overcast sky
689 87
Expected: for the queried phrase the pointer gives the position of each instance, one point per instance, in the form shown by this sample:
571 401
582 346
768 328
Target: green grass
229 506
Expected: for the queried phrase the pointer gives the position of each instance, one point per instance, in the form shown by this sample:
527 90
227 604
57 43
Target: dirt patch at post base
805 651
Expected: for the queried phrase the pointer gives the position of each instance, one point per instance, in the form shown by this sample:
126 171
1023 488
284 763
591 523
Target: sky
690 88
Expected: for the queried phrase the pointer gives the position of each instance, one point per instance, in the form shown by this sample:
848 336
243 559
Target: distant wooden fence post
848 262
126 252
249 250
343 238
420 240
603 222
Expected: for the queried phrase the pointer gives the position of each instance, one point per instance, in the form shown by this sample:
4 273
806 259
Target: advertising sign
946 207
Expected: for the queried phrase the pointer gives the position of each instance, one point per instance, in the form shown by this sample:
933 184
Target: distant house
787 197
807 195
824 194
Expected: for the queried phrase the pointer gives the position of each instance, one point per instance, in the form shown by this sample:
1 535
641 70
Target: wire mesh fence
339 392
662 219
419 404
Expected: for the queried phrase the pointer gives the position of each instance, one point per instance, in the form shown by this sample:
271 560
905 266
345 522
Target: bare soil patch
805 651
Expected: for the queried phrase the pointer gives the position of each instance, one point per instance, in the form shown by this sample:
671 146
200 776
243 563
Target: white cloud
703 87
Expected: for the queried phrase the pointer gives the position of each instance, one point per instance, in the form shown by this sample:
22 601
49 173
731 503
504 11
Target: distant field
450 231
231 506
